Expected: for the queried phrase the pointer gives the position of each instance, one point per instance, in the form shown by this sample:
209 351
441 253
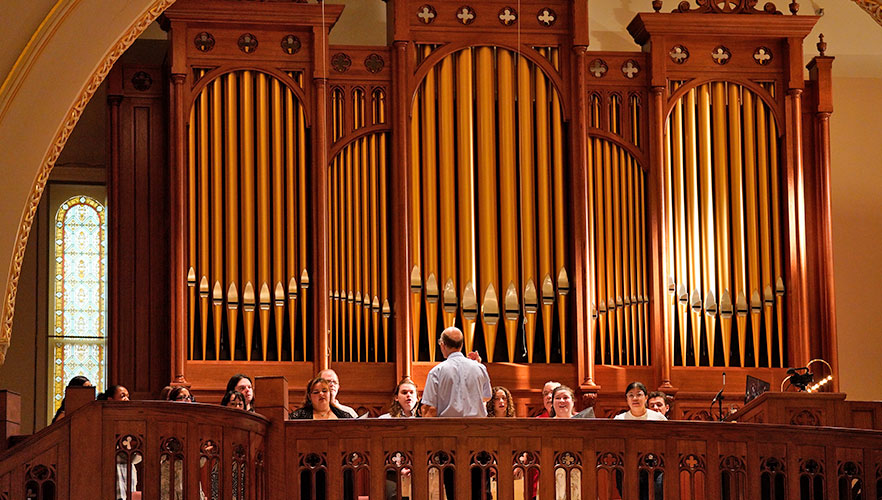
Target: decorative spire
794 7
822 45
656 5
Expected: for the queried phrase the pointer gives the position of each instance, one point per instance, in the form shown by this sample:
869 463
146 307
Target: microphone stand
719 399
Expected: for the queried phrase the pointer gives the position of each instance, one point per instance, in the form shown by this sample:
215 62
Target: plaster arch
41 100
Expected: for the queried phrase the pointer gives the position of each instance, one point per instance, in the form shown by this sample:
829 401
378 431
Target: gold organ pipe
560 250
739 287
670 312
349 210
278 200
415 219
333 201
629 258
679 211
466 187
706 212
641 252
609 239
765 231
345 249
721 204
232 207
290 217
204 228
616 263
508 189
366 240
191 226
750 188
217 207
487 194
358 248
592 240
375 255
384 253
263 207
693 215
301 186
526 138
447 178
600 154
670 243
429 149
544 195
248 240
776 238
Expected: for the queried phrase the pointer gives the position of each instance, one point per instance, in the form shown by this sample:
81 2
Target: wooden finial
656 5
822 45
794 7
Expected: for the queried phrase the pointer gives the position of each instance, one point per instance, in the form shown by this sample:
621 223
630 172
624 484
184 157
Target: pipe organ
488 167
246 226
593 217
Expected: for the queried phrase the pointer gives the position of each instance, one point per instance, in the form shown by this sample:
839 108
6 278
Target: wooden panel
138 233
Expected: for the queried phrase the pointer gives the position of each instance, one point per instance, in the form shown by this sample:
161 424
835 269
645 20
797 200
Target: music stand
754 388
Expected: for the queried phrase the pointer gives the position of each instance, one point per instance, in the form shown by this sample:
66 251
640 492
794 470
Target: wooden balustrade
163 450
573 459
152 449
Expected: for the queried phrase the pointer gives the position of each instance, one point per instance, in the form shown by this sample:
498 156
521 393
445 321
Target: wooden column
398 207
178 316
820 71
662 351
583 254
114 98
794 185
273 404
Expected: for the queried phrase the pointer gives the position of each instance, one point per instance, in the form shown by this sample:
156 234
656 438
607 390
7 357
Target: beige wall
856 190
29 120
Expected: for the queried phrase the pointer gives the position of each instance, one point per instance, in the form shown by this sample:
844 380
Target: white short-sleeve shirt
457 387
649 415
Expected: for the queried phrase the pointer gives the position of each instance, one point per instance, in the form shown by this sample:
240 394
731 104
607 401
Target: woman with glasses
181 395
233 399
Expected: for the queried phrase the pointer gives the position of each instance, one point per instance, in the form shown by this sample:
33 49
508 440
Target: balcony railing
164 450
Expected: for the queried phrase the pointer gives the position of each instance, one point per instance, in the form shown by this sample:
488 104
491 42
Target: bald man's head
452 338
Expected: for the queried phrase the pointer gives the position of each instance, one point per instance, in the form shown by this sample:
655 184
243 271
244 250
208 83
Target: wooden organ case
591 217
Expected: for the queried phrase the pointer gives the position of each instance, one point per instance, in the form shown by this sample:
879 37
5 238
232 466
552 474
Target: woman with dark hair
501 404
404 400
243 383
317 404
562 400
78 381
181 394
233 399
635 395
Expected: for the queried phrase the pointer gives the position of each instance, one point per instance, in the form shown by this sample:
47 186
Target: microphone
719 396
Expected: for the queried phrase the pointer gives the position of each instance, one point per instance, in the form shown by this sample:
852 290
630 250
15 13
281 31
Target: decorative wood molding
70 121
873 8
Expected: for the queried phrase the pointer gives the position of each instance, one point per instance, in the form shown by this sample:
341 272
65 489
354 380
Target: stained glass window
79 296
